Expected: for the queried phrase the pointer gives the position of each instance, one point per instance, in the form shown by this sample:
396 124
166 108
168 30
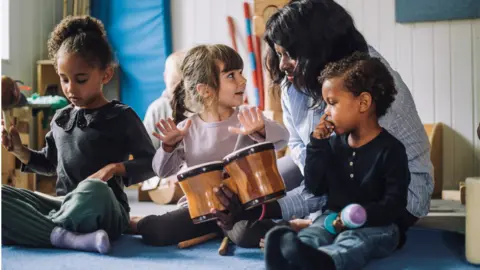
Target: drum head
200 168
252 149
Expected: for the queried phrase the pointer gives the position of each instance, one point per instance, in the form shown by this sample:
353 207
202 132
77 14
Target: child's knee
239 235
99 191
315 236
247 235
158 231
92 185
91 197
356 235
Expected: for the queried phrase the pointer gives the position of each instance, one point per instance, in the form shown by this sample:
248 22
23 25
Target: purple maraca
354 216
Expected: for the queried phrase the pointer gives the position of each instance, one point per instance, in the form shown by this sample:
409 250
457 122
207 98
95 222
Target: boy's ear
365 101
107 75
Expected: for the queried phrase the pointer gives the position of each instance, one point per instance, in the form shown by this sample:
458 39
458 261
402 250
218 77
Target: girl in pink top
211 89
211 92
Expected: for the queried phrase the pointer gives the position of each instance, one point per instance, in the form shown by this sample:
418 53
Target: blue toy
353 216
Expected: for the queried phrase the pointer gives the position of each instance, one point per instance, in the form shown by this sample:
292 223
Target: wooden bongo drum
197 183
255 173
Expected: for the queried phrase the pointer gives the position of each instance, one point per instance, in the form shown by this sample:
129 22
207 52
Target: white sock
97 241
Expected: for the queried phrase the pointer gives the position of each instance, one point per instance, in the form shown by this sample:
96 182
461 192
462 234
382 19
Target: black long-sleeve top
375 175
83 141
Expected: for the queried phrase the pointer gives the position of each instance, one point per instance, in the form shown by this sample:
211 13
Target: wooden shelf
46 75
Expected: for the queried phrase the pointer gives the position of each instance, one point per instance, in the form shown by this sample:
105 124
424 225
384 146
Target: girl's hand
171 134
108 172
324 129
252 121
11 139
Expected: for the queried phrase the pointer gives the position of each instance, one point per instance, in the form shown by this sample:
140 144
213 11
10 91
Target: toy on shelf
11 93
251 52
231 31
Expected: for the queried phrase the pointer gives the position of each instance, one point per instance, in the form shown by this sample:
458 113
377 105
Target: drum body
198 183
254 171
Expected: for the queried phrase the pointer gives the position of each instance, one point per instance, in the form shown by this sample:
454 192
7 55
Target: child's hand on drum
230 201
171 134
324 129
300 224
252 121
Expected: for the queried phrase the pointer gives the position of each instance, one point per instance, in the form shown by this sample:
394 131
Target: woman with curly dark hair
302 38
362 164
87 148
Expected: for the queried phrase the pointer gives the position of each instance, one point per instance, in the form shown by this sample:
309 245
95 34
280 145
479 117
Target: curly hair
314 33
362 73
83 35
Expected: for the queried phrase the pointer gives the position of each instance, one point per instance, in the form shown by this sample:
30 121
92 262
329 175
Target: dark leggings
177 226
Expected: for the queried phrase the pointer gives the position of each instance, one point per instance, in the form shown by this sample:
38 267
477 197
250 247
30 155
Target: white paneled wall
439 61
196 22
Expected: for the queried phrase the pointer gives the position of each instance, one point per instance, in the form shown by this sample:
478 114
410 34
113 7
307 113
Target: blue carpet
425 249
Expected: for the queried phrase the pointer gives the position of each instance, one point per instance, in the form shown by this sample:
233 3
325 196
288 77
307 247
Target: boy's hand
324 129
338 224
232 203
171 134
252 121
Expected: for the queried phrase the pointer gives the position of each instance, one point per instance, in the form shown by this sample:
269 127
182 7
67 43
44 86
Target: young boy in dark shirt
351 159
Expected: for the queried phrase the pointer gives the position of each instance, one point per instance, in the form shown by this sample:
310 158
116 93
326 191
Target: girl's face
232 87
287 64
81 83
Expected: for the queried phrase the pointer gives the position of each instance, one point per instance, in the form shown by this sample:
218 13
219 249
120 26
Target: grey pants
28 218
352 249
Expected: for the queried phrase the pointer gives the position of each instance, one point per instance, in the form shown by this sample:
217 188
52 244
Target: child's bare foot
132 226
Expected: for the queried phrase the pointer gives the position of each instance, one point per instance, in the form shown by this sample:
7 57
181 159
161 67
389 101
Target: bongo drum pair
252 174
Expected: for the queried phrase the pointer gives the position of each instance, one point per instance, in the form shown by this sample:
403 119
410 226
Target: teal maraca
353 216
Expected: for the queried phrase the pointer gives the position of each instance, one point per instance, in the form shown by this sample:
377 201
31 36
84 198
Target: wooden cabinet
11 174
262 10
46 75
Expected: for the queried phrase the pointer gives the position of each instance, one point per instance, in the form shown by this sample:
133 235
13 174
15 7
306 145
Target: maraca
11 97
10 94
353 216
